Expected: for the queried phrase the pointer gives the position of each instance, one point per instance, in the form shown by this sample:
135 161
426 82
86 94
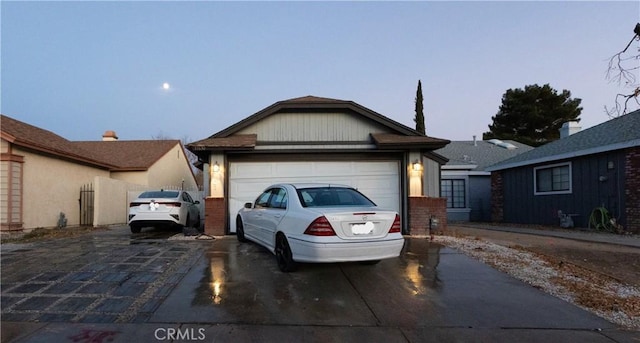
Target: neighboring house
465 182
312 139
42 175
599 166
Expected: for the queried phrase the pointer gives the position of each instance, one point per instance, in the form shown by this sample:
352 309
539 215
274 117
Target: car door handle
277 215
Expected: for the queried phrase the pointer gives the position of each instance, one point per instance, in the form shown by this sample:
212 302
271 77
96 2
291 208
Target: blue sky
80 68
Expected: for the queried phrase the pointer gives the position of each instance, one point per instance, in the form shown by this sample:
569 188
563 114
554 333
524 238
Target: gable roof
35 138
314 103
129 155
479 155
111 155
618 133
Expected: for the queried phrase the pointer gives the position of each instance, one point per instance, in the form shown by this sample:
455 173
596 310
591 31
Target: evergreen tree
419 118
534 115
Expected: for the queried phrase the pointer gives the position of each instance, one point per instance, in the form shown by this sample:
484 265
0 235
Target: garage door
378 180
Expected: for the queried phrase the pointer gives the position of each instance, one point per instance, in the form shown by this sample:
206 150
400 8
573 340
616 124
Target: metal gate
86 204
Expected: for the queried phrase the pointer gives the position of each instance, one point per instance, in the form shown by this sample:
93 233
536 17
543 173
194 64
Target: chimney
569 128
109 136
475 143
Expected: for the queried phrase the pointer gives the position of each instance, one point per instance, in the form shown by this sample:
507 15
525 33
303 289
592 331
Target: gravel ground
601 294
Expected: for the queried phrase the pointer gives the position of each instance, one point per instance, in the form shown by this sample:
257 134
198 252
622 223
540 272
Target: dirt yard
619 262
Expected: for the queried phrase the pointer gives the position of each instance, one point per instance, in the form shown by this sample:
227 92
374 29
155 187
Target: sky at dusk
81 68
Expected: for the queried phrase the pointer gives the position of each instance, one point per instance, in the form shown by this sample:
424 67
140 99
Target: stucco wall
171 169
52 186
111 203
136 177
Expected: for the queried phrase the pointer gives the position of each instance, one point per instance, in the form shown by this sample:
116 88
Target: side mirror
248 205
196 202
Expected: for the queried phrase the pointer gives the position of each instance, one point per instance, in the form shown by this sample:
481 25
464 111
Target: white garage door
378 180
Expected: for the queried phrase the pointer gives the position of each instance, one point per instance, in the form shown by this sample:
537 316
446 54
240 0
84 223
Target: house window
454 191
552 179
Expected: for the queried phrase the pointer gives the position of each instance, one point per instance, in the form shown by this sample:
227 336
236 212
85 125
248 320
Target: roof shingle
112 155
617 133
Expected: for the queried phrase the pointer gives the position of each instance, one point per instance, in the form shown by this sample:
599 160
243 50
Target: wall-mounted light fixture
216 167
610 165
416 165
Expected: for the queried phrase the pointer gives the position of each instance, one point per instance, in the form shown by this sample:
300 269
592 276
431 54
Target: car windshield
332 196
159 194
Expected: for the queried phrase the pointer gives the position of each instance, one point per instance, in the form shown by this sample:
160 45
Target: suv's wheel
135 228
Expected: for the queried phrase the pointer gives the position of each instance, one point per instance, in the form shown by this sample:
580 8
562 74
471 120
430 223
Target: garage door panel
376 168
378 180
292 169
250 170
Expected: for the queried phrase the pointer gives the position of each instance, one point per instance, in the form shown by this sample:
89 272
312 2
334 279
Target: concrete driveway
116 287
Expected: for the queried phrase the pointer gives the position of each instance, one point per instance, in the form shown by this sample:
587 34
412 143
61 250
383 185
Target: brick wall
421 209
631 187
497 197
214 219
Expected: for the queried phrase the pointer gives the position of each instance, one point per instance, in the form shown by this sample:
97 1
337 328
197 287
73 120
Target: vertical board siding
594 184
313 127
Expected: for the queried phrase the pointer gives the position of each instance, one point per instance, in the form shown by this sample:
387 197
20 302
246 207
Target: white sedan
164 208
319 223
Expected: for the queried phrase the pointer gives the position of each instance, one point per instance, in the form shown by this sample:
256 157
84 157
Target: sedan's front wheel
284 255
240 230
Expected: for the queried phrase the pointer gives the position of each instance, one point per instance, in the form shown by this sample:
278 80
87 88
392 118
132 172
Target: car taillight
320 227
171 204
134 204
396 227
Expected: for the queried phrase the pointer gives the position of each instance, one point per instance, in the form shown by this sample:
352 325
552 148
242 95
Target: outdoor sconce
215 168
610 165
416 165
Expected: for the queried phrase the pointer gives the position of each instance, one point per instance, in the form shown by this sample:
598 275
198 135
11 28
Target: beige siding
52 186
4 191
16 192
431 178
4 146
314 127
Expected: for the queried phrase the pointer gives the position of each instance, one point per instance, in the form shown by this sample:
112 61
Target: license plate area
362 228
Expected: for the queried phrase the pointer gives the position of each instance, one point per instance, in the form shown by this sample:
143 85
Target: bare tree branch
623 74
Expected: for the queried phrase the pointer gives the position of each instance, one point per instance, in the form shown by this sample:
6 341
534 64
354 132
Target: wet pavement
112 286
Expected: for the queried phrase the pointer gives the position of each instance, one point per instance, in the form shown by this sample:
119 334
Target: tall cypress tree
419 119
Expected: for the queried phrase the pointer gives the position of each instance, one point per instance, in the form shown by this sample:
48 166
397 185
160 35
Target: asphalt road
112 286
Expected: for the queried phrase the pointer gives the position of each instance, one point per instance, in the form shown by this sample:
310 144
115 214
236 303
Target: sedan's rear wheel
240 230
135 228
284 255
